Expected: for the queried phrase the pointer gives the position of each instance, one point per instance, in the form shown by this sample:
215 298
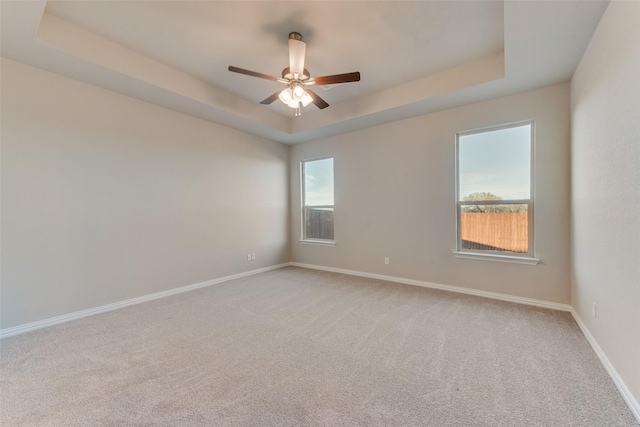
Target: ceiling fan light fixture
294 96
286 96
306 99
294 103
298 92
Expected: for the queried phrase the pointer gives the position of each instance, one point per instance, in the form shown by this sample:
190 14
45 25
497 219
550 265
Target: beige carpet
295 347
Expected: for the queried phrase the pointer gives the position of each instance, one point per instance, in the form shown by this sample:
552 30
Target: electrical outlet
248 257
386 260
253 257
595 311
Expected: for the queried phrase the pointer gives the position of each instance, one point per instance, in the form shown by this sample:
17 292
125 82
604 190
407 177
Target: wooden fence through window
319 223
500 231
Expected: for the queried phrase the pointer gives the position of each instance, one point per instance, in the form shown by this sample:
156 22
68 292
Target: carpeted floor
296 347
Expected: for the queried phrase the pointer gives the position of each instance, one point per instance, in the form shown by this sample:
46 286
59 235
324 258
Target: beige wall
394 195
605 100
106 198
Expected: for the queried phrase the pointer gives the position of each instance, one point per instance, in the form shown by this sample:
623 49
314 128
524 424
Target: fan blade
319 102
270 99
252 73
336 78
297 52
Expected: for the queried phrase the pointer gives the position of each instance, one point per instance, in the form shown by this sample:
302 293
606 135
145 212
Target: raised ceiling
414 57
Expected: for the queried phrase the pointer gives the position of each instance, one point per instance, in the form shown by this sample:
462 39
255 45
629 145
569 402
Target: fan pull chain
298 112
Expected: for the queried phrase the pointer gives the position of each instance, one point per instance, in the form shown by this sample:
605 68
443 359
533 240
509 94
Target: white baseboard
622 387
20 329
458 289
28 327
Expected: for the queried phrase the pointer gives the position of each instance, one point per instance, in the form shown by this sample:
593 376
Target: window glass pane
318 182
503 228
495 165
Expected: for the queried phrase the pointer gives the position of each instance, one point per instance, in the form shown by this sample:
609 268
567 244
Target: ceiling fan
297 78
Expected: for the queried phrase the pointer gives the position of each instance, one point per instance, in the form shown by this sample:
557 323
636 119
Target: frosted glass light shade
306 99
286 95
298 92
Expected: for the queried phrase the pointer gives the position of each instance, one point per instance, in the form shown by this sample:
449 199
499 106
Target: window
494 191
317 200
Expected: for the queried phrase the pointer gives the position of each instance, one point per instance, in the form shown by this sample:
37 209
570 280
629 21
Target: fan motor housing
286 74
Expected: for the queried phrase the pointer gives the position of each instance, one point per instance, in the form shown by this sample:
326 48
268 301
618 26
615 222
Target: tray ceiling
414 57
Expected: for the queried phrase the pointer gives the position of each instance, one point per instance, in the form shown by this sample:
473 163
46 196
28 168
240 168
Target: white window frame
304 206
519 258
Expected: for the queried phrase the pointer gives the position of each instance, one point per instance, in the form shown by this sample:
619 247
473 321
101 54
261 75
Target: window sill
318 242
498 258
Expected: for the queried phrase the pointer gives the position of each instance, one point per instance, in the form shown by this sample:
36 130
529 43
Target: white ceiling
414 57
